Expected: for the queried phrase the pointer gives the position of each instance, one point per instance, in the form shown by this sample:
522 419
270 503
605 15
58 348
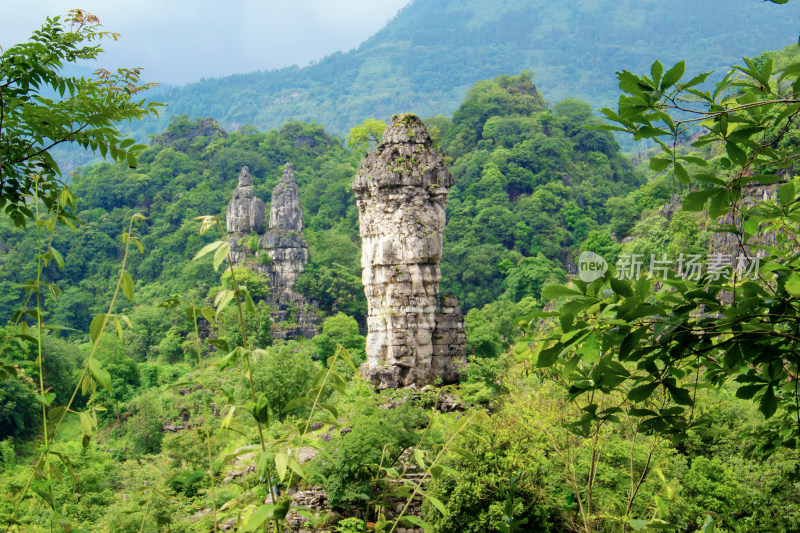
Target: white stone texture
401 191
282 242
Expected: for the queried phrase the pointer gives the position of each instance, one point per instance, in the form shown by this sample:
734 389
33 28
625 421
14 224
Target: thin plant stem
85 367
428 471
278 527
146 508
205 415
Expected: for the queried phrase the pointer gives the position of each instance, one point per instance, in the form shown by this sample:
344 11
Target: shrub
144 430
350 461
20 413
283 374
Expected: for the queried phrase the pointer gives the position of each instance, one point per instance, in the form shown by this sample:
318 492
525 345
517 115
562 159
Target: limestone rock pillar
401 191
284 242
245 213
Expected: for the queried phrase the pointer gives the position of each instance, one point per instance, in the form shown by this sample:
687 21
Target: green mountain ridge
425 59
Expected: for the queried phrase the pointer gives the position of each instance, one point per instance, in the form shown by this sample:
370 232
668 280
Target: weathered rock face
284 242
449 341
281 252
245 214
401 190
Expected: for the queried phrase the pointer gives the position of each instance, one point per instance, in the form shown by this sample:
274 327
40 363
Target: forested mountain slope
426 58
532 183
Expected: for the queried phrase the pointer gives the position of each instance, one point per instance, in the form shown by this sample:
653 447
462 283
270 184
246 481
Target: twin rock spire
278 251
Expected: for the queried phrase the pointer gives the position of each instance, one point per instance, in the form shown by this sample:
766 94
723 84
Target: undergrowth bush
379 435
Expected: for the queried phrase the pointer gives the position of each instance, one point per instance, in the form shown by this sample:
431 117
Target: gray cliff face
401 191
281 242
245 214
285 211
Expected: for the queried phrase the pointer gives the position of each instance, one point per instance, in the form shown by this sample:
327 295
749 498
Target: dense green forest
141 388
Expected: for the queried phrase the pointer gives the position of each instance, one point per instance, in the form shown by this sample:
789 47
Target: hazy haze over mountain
184 41
426 58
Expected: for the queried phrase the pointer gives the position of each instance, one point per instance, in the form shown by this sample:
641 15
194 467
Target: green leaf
642 392
768 404
207 249
419 457
720 204
556 291
737 155
281 464
95 328
296 402
296 468
282 509
57 257
680 396
746 392
330 408
659 164
681 174
549 356
46 399
437 503
656 70
590 349
260 408
221 254
468 455
673 75
86 422
118 325
100 374
621 287
695 201
415 521
786 193
259 516
792 285
126 282
132 161
794 68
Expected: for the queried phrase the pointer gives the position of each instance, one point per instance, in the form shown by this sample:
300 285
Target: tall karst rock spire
245 214
283 241
401 191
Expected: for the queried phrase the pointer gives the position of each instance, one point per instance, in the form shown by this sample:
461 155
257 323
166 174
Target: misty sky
179 41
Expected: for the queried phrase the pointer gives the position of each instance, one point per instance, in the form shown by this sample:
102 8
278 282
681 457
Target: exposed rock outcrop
280 252
245 214
401 191
449 341
284 242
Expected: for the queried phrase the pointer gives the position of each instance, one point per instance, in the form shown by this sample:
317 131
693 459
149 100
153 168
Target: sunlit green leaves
260 409
84 114
126 282
786 194
100 374
97 325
